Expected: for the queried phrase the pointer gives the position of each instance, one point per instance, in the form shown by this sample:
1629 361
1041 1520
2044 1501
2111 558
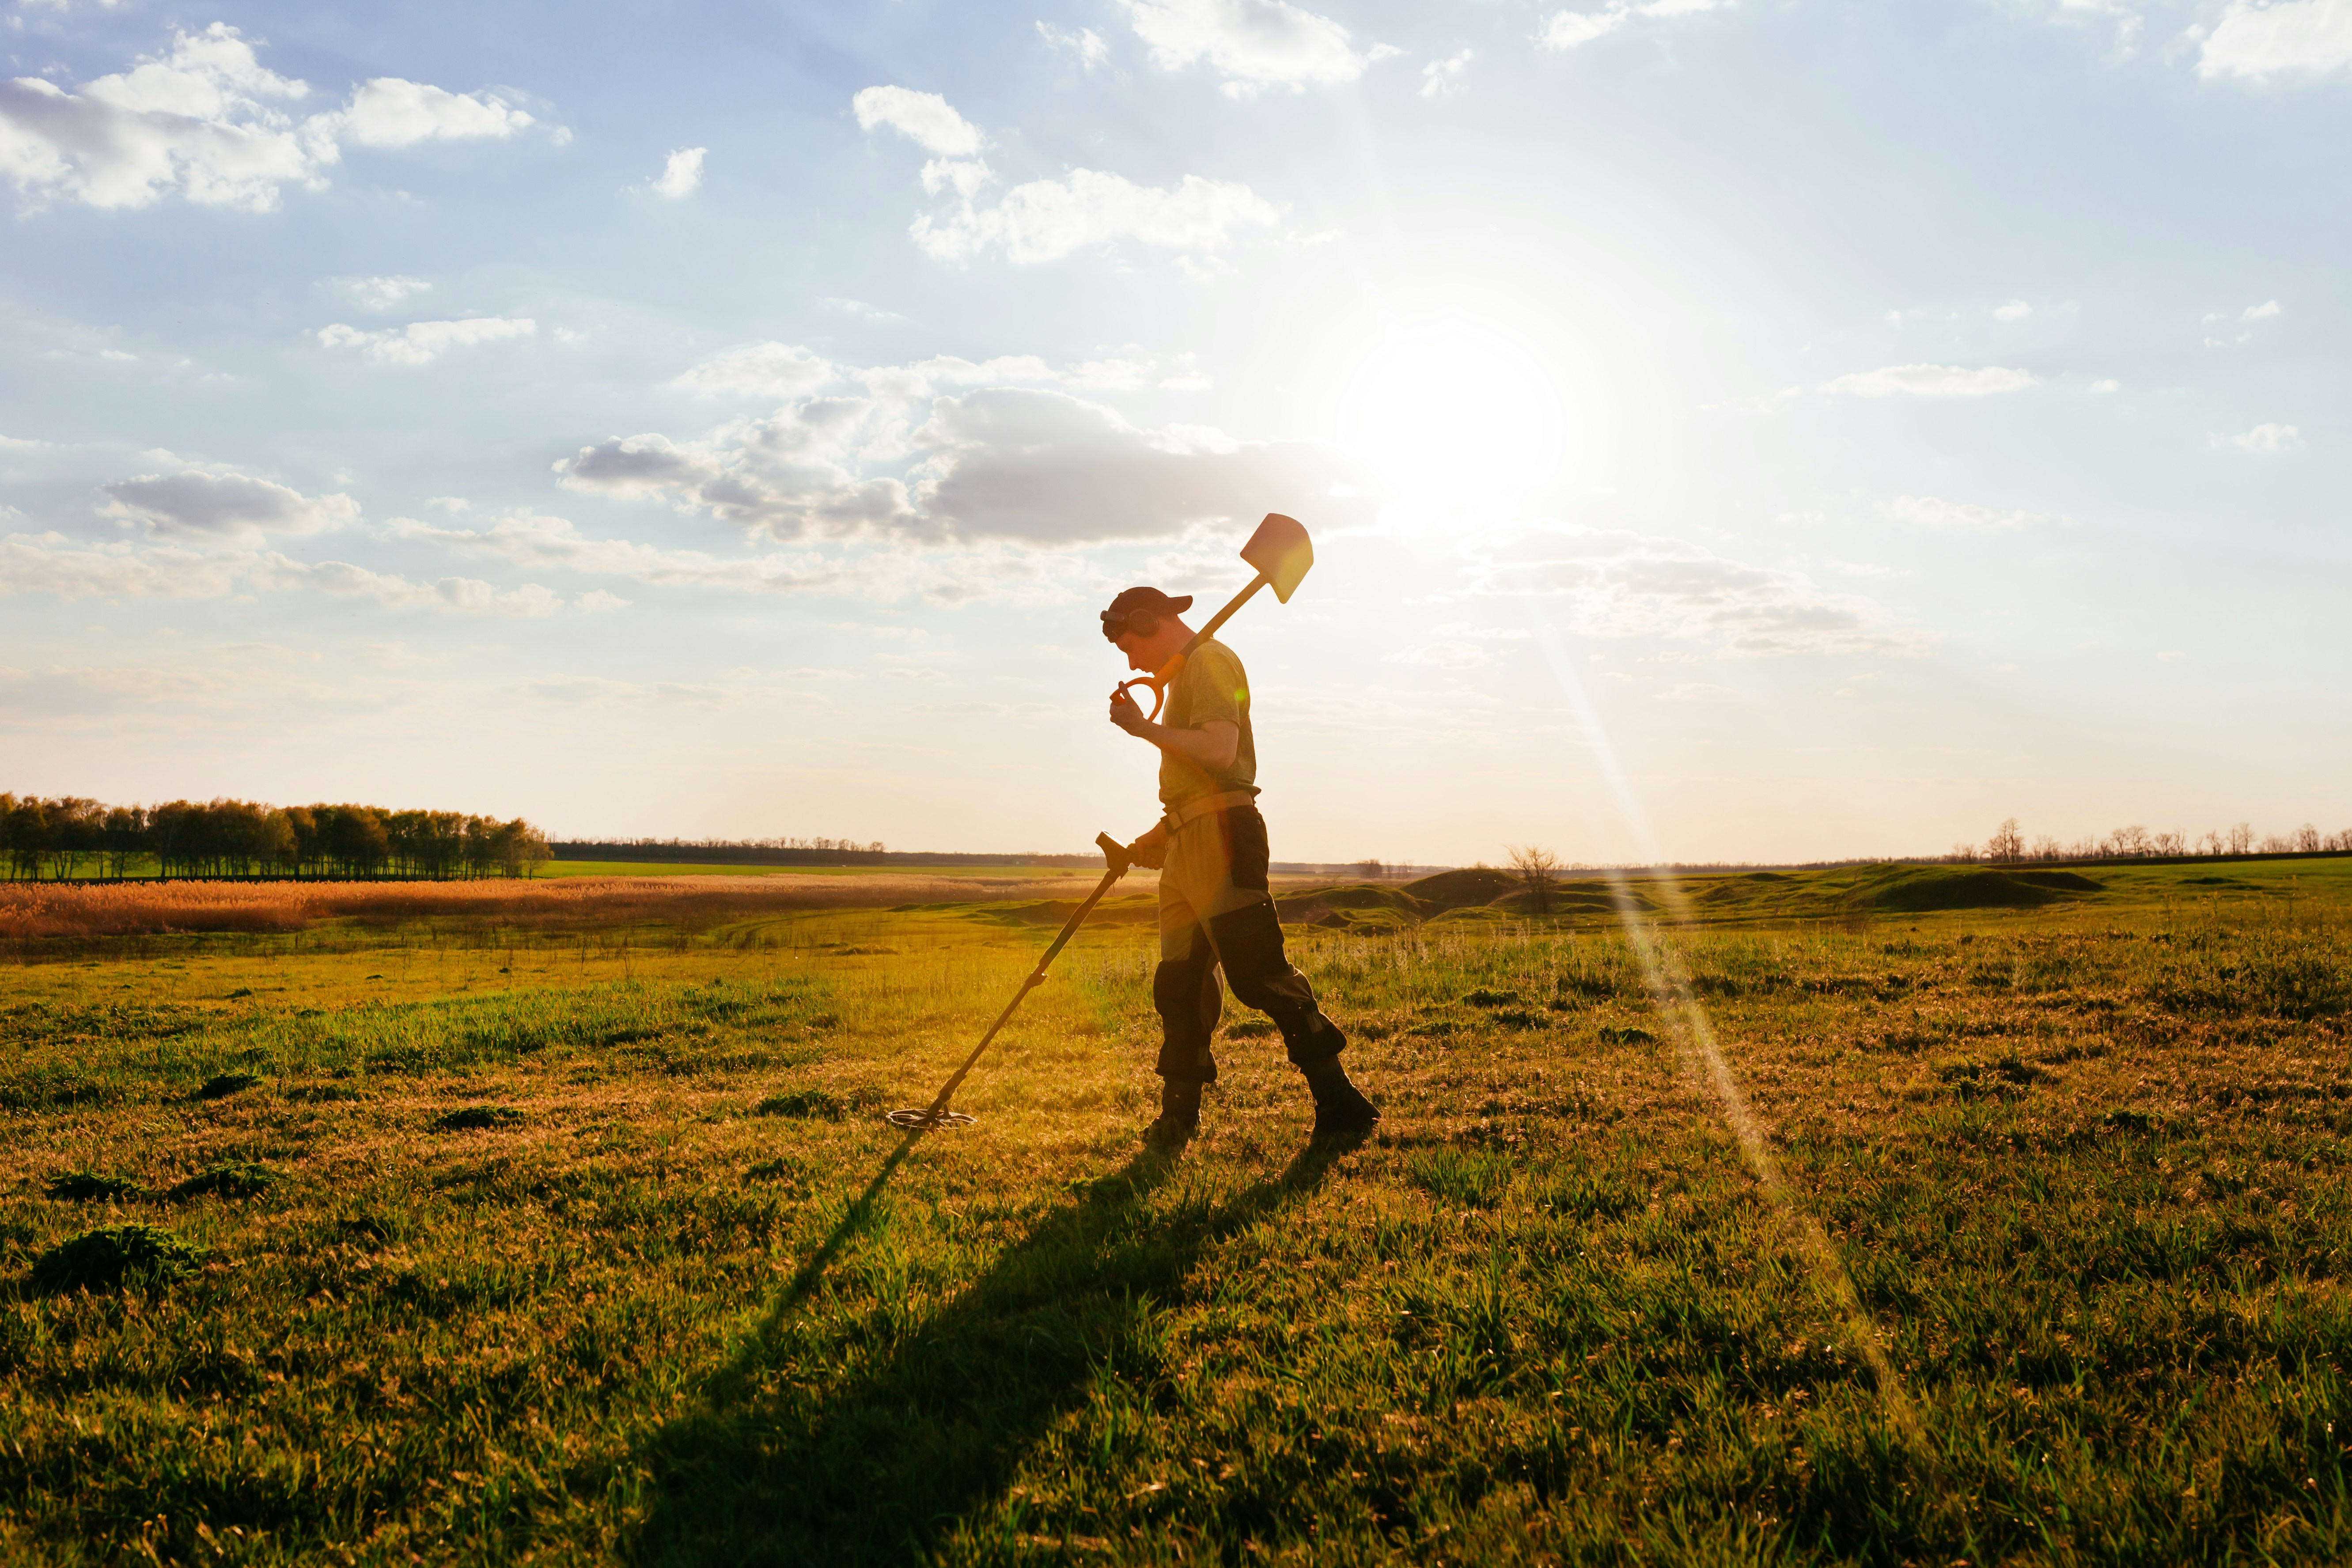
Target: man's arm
1213 745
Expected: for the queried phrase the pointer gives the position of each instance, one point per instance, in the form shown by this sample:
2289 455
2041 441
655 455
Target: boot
1340 1109
1180 1114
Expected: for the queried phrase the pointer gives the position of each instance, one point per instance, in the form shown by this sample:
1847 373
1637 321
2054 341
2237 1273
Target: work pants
1215 910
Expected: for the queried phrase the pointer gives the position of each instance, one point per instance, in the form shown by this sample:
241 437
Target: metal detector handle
1158 680
1161 679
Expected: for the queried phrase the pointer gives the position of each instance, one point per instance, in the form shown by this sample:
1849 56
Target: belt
1191 811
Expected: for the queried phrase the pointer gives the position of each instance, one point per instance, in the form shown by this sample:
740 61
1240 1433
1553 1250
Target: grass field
1800 1218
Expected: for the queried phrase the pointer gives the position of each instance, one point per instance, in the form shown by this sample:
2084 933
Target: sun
1451 413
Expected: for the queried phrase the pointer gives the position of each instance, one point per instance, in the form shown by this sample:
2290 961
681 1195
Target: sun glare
1452 413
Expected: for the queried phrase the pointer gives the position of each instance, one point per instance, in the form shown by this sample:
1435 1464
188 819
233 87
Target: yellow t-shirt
1210 687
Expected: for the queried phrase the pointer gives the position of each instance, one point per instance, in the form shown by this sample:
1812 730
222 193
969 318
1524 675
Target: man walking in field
1210 848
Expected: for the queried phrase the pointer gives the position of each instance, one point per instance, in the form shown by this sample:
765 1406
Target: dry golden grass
35 911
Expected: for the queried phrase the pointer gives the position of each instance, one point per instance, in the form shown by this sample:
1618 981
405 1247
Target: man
1211 850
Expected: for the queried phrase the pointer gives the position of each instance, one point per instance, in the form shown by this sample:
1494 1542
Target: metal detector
937 1113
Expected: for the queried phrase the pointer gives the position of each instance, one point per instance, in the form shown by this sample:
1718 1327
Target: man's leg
1246 933
1185 992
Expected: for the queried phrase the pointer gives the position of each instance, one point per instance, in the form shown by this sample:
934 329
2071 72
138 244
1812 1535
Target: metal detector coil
923 1121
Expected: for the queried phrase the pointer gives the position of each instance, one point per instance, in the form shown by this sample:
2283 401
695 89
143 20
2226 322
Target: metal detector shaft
937 1113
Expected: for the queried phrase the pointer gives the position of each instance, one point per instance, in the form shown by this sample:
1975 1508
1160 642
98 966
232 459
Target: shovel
1281 553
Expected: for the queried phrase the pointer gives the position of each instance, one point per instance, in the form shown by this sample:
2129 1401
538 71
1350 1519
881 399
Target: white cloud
52 563
774 370
1692 692
681 176
223 508
923 117
1932 381
2262 440
391 112
1439 77
1048 220
990 571
2015 310
209 120
760 370
878 453
2109 384
1045 220
2126 19
1084 43
422 342
1573 29
1616 583
2253 41
860 308
1934 513
382 293
2269 309
1252 43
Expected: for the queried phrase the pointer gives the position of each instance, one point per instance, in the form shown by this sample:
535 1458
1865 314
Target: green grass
537 1245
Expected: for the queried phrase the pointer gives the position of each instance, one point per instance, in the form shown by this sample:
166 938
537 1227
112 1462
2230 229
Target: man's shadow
870 1442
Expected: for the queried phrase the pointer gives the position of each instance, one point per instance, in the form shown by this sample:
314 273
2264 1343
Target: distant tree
1370 871
1962 852
125 833
2006 843
2048 848
2306 839
1536 870
2241 838
2169 843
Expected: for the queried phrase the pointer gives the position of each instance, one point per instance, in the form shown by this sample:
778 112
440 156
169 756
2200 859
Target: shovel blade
1280 551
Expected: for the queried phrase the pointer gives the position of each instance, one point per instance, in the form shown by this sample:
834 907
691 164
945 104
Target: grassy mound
477 1118
804 1103
109 1259
1468 887
1913 890
220 1086
2064 881
1360 908
89 1186
233 1180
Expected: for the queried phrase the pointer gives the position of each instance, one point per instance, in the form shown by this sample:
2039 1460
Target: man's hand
1150 850
1127 715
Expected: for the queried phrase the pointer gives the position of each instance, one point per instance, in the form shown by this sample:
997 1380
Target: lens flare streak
1685 1018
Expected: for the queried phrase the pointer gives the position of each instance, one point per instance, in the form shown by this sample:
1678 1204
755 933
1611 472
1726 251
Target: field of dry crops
33 913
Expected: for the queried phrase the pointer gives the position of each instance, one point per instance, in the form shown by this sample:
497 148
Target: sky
1730 429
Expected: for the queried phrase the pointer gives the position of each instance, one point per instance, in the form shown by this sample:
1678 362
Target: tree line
2008 843
54 838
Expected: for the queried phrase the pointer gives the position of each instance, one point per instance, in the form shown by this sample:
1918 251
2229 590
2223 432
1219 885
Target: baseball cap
1114 620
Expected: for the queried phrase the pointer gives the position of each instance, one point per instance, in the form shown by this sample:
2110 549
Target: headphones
1138 620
